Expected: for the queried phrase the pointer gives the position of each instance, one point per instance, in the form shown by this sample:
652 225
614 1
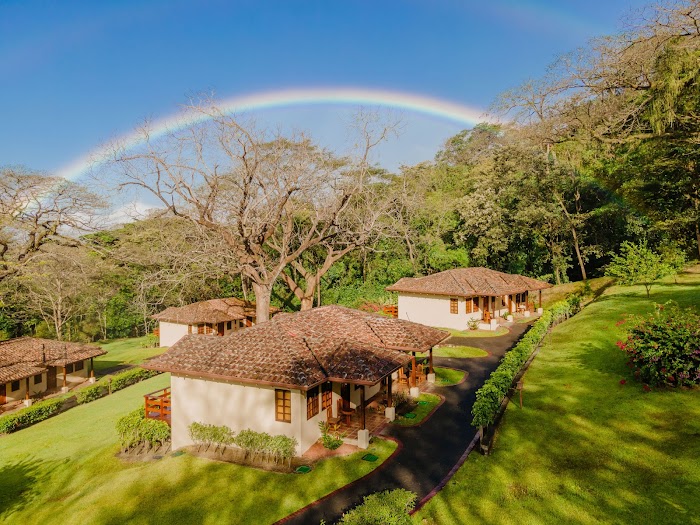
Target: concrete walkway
431 450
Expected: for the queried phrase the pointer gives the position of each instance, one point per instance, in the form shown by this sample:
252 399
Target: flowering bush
664 347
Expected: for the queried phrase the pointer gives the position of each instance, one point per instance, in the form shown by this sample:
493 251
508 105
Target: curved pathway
431 450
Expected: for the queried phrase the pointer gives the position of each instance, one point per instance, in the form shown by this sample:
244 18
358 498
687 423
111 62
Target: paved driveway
431 450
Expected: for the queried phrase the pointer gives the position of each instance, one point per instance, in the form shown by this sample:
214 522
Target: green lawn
64 470
458 351
560 291
125 352
448 376
426 404
501 330
585 448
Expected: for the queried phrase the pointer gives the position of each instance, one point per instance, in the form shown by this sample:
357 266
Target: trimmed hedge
30 415
91 393
490 396
131 377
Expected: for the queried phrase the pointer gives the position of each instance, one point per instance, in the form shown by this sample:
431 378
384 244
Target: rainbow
438 108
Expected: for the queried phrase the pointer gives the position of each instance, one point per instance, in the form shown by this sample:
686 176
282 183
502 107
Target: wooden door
51 378
345 395
220 329
3 394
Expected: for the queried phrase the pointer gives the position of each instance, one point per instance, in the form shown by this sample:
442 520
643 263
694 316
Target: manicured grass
131 351
448 376
64 470
586 448
458 351
421 410
560 291
501 330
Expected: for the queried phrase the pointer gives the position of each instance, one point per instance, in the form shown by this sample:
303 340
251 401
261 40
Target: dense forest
601 150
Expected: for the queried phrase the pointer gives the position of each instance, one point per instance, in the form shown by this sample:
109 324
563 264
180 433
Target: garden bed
449 376
422 407
459 351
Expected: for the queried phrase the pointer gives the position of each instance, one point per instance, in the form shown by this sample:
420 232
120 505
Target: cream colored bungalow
30 366
213 317
287 375
453 298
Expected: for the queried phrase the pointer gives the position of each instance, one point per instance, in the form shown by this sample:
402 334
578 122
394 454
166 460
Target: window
283 406
38 379
69 368
469 305
200 328
228 325
208 328
79 366
327 395
312 403
453 305
14 386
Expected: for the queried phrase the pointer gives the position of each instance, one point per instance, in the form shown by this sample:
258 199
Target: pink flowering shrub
664 347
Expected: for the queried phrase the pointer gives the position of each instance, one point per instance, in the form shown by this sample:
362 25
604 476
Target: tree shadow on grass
18 484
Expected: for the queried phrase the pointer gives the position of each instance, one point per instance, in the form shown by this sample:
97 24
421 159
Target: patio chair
403 378
420 374
333 422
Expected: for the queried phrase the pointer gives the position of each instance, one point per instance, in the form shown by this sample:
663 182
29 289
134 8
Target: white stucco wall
434 310
239 407
171 333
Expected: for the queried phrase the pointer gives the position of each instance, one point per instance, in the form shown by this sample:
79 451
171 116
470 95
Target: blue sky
75 74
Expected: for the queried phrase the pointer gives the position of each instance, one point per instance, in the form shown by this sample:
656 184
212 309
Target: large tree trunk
263 292
578 253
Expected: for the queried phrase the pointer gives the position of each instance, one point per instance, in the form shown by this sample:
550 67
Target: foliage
664 347
400 398
389 507
328 440
91 393
207 435
130 377
30 415
637 264
490 396
135 430
422 407
261 445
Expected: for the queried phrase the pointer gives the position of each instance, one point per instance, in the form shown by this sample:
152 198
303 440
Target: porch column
540 299
26 394
413 369
389 400
92 367
430 359
363 417
64 376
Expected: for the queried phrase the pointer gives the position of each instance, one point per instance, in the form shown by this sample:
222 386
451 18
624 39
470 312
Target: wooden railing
391 309
157 405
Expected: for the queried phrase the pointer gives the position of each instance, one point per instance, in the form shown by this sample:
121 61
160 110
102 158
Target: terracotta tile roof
303 349
27 356
212 311
468 282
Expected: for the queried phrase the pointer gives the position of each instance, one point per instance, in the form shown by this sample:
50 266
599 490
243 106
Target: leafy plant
637 264
91 393
264 446
328 440
135 430
208 435
473 324
30 415
664 347
389 507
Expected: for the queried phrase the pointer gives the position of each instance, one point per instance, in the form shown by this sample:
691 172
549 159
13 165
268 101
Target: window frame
12 385
41 379
283 405
312 403
326 396
78 366
69 368
454 305
228 325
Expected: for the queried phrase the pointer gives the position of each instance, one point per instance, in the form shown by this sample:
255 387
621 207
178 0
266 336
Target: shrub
328 440
203 434
91 393
30 415
490 396
400 398
131 377
664 347
390 507
135 430
265 446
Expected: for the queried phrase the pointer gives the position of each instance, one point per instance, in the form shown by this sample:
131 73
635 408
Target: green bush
265 446
91 393
390 507
328 440
30 415
131 377
664 347
208 435
490 396
135 430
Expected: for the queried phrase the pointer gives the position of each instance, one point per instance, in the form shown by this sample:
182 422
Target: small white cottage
286 375
212 317
453 298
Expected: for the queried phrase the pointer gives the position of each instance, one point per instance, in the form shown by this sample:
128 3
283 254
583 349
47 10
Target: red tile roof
27 356
211 311
468 282
303 349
